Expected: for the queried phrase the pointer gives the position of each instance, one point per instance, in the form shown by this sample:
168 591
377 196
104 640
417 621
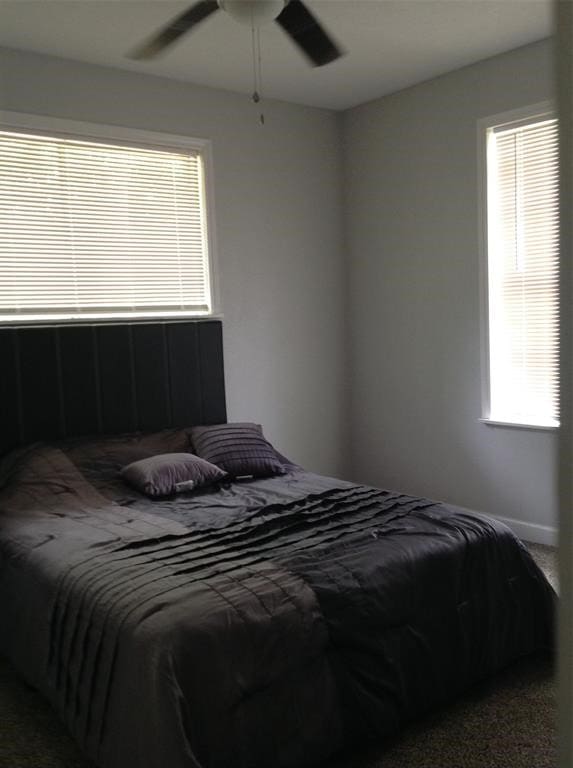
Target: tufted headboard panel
69 381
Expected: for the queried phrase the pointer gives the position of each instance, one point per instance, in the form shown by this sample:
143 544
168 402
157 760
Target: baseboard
533 532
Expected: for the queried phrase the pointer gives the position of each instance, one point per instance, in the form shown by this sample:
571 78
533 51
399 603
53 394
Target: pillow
112 452
170 473
101 458
240 449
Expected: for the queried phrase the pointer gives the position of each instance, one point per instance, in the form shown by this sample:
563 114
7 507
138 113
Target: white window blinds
523 272
91 229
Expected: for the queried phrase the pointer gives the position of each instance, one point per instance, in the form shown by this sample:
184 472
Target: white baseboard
533 532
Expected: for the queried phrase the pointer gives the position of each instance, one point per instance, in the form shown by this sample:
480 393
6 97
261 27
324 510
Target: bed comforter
263 623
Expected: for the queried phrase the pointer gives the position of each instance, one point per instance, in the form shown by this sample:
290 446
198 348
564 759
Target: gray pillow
170 473
100 459
239 449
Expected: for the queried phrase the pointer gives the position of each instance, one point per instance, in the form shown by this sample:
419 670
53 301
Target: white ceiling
390 44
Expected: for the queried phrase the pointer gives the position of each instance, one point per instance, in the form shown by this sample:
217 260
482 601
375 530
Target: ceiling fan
292 15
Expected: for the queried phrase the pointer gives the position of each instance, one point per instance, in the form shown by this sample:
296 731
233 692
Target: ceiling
390 44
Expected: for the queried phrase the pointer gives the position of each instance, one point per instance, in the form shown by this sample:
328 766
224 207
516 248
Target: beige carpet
508 722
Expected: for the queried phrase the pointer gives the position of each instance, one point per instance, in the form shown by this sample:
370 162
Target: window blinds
90 229
523 273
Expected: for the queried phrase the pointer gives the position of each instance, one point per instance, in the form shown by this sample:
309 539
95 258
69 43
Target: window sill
517 425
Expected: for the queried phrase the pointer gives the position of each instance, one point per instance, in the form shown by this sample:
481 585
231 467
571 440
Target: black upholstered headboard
69 381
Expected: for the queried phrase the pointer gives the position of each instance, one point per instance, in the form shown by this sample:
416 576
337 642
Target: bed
259 622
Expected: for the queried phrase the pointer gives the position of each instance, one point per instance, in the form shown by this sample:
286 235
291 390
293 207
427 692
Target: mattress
264 622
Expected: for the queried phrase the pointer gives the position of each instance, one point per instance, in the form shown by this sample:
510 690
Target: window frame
531 113
134 137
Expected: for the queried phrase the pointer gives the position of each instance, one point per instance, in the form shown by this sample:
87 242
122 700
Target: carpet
509 722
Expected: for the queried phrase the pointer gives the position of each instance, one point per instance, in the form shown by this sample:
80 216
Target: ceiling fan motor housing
253 13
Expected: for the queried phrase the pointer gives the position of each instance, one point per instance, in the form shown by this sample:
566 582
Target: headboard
69 381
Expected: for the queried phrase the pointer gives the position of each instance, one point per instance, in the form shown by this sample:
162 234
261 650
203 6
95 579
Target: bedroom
292 360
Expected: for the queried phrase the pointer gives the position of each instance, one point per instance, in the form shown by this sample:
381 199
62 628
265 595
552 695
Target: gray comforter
263 623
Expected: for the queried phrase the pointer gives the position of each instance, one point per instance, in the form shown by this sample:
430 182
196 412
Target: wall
410 398
278 226
412 229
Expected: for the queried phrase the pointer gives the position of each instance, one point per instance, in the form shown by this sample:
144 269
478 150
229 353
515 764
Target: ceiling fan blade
300 24
173 31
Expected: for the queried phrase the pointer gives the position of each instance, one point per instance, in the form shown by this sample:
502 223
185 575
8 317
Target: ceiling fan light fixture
253 13
296 20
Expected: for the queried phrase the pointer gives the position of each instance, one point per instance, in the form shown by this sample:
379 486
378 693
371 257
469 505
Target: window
101 227
522 270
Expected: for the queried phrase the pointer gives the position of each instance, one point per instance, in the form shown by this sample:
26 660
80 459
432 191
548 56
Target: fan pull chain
257 68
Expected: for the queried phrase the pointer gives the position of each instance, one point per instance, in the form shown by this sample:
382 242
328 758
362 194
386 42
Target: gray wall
279 234
412 229
407 405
